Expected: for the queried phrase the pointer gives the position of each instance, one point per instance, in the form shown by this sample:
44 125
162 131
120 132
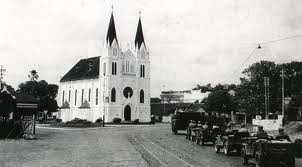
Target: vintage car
192 130
207 135
269 152
181 120
230 140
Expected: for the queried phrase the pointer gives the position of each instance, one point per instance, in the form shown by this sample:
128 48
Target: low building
186 96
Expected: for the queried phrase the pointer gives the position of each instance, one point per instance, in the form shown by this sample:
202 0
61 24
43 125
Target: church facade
113 85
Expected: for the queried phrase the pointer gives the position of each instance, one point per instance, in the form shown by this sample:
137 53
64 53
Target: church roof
84 69
111 33
139 37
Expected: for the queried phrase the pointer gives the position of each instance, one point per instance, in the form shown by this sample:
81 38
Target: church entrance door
127 113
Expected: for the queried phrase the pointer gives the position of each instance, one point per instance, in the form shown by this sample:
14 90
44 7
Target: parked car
230 140
269 152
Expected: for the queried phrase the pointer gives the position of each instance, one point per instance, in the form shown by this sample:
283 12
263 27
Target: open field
152 145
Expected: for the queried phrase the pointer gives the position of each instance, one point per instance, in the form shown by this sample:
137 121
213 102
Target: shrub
99 120
117 120
136 121
293 127
78 123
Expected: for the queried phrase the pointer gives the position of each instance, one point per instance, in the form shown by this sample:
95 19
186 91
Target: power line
281 39
242 64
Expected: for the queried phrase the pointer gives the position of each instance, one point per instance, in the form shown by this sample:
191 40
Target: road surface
144 146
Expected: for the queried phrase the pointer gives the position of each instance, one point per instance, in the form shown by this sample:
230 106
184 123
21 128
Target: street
151 145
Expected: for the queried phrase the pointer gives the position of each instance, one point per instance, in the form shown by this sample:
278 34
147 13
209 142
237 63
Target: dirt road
113 146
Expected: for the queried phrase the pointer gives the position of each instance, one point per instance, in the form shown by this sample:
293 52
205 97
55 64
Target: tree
7 104
41 90
219 101
250 93
53 90
155 100
33 75
294 106
204 88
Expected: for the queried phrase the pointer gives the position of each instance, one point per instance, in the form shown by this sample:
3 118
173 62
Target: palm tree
33 75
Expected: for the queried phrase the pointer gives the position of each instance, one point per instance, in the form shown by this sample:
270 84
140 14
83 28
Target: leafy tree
204 88
294 106
7 104
41 90
155 100
33 75
251 90
220 101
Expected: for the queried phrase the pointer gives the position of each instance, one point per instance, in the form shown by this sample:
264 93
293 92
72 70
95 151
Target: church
114 85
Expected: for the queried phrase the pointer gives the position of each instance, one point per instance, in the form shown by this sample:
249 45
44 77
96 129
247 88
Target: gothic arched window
82 98
63 97
75 97
96 96
69 94
141 96
113 95
89 94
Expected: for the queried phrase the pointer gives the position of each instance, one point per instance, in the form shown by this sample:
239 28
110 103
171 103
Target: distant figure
261 134
282 135
199 125
192 124
242 128
205 126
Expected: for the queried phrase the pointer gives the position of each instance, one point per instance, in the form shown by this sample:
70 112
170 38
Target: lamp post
266 91
283 105
164 101
1 76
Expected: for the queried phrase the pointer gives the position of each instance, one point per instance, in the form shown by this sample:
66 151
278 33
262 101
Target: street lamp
266 91
164 100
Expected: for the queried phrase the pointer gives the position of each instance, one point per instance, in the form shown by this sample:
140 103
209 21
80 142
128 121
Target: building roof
111 33
139 37
84 69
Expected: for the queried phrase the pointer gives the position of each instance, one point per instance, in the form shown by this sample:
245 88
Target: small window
96 96
114 51
113 95
141 99
143 55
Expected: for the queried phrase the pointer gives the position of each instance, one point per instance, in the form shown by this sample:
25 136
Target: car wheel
245 158
217 148
197 141
259 160
226 149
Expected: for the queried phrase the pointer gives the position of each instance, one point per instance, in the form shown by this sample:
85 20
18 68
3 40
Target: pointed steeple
139 37
111 33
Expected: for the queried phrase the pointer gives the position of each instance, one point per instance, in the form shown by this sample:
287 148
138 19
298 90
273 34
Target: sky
190 42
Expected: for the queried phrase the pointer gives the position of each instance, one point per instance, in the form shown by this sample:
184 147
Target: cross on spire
139 37
111 33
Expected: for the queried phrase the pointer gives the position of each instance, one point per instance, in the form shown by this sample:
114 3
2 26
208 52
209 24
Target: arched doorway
127 113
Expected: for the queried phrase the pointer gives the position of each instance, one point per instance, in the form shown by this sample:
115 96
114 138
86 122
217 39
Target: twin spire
111 33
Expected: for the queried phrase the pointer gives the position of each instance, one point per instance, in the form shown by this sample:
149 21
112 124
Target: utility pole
164 101
283 105
1 76
266 91
104 97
